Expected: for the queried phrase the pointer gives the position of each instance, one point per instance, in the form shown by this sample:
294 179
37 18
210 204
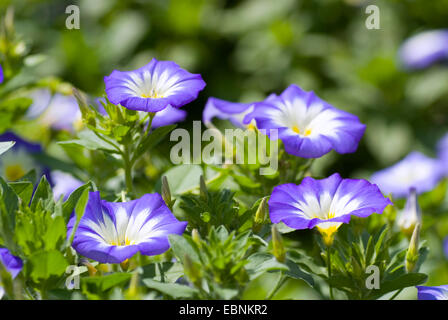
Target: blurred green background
248 49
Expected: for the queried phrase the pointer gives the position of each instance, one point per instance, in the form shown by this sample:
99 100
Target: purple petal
225 110
424 49
328 200
64 184
415 171
433 293
111 232
153 87
308 126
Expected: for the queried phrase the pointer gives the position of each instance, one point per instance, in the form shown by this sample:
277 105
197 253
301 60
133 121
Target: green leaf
174 290
23 189
80 207
403 281
5 146
245 181
262 262
9 204
183 178
43 194
182 246
104 283
152 139
296 273
89 140
55 234
44 265
70 204
163 271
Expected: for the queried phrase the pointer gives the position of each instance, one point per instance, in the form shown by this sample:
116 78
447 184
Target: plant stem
127 169
329 272
280 281
396 294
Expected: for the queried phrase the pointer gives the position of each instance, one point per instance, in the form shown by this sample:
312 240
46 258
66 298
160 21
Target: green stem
127 169
396 294
329 272
280 281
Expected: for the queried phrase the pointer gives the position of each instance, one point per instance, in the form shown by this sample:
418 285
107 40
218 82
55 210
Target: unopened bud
262 212
278 247
410 215
191 271
125 265
166 192
84 262
412 253
196 237
260 215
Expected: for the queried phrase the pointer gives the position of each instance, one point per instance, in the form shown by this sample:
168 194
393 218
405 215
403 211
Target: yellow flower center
152 94
126 242
251 126
14 172
297 130
329 232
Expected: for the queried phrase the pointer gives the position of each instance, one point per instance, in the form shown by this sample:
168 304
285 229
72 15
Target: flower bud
278 247
260 215
410 215
191 271
166 192
84 262
196 237
412 253
262 212
125 265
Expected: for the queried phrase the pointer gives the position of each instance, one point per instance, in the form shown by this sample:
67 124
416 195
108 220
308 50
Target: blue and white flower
411 214
415 171
325 203
425 49
64 184
153 87
11 263
308 126
111 232
19 160
432 293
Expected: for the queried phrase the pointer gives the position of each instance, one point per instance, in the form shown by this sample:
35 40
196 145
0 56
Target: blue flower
432 293
1 74
414 171
325 203
235 112
424 49
442 148
19 160
64 184
153 87
308 126
11 263
111 232
411 214
60 112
